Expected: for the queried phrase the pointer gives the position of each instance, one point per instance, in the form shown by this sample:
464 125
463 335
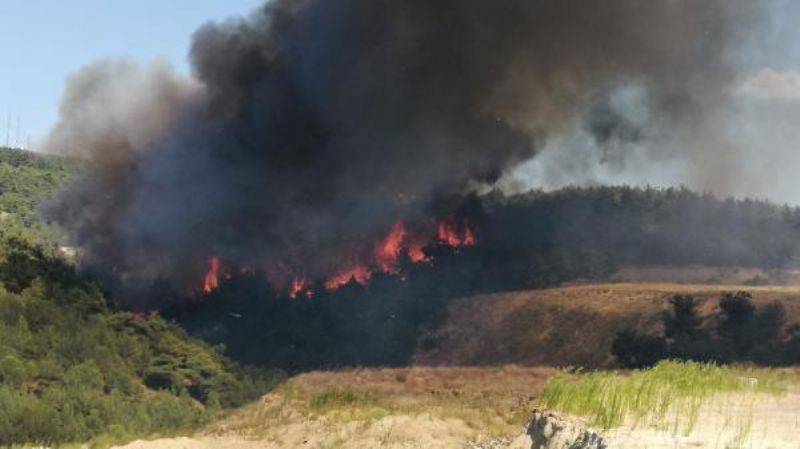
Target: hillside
72 367
566 326
76 367
522 243
26 180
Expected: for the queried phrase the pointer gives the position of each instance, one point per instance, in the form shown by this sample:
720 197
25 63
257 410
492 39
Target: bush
742 333
636 350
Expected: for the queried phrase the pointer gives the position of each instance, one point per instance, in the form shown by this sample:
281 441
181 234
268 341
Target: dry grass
486 402
567 326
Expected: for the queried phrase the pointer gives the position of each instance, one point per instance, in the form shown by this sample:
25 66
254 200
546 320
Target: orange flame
385 258
416 252
211 280
358 273
388 251
469 237
447 233
300 286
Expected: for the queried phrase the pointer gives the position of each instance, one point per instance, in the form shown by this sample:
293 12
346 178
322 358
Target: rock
548 431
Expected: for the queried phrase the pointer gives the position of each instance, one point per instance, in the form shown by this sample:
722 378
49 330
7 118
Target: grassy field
566 326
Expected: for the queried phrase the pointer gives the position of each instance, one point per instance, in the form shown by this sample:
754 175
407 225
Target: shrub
636 350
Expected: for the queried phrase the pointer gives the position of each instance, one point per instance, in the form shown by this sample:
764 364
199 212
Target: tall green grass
669 395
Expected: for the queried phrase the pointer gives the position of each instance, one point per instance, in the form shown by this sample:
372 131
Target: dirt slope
567 326
426 408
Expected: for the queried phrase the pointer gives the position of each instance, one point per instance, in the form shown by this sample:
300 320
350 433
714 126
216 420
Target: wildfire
300 286
358 273
389 250
385 258
448 233
416 252
211 279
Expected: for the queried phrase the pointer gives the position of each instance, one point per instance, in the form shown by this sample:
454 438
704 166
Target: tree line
737 331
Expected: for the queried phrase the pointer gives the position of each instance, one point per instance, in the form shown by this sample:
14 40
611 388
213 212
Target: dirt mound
567 326
390 408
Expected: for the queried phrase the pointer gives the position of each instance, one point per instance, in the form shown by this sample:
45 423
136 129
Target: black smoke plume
309 127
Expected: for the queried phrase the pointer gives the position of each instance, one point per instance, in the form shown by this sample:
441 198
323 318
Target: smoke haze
311 126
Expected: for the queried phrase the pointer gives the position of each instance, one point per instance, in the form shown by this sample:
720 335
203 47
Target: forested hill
647 226
26 179
74 369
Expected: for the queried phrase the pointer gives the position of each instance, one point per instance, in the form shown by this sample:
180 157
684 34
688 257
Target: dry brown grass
567 326
479 402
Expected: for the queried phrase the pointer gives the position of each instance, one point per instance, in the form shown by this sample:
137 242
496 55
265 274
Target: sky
42 42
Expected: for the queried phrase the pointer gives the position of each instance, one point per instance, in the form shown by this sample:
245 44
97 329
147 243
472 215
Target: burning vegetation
315 141
326 180
386 257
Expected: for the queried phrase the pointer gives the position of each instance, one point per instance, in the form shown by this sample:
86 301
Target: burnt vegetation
525 241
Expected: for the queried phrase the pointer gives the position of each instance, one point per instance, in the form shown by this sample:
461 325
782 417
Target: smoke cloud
310 126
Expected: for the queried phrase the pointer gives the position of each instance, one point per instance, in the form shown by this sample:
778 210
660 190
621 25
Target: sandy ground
749 423
392 432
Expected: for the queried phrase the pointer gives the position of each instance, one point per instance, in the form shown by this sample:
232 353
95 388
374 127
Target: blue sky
42 42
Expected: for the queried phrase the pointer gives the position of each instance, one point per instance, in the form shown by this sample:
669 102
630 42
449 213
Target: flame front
211 279
448 233
385 257
416 252
388 252
300 286
358 273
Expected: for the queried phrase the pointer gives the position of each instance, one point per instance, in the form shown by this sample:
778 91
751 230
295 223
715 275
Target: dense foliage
72 369
649 226
738 331
26 180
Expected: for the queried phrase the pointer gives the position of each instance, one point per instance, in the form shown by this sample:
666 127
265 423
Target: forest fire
300 286
211 279
358 273
389 250
398 245
416 252
448 233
